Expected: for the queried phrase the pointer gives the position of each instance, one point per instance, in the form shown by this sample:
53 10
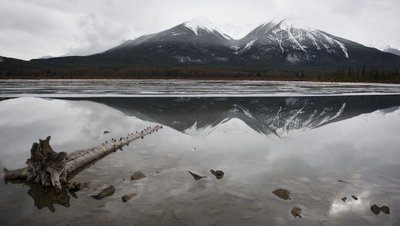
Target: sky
38 28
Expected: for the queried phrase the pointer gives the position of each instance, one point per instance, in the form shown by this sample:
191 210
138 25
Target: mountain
195 42
392 50
7 63
279 45
292 43
192 42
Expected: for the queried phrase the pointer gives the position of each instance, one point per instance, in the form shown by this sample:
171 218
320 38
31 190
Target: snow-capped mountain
292 41
199 31
280 44
192 42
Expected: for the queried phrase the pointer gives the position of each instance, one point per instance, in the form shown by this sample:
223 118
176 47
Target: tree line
360 74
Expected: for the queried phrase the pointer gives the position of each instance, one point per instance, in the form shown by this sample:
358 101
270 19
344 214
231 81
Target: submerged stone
282 193
137 175
196 176
126 198
105 192
296 212
375 209
219 174
385 209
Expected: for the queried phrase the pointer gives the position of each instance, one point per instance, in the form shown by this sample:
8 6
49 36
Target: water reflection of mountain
281 116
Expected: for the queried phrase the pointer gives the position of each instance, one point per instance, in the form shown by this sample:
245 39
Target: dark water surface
301 143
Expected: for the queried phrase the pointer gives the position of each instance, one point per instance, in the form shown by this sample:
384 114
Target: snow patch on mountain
203 24
237 108
229 126
292 25
188 59
292 58
246 47
343 47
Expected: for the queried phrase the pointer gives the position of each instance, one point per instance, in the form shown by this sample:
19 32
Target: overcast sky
36 28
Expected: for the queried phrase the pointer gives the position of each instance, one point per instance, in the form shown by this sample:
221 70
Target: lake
321 141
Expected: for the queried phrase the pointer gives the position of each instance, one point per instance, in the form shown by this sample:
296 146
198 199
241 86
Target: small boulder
375 209
354 197
105 192
138 175
385 209
344 199
126 198
196 176
219 174
296 212
282 193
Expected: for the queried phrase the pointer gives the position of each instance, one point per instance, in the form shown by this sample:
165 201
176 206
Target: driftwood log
49 168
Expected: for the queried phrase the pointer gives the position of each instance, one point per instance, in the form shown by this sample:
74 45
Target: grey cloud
32 29
97 34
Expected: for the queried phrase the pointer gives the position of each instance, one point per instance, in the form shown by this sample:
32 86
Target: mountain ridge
282 44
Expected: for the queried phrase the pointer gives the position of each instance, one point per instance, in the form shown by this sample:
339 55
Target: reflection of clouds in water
72 124
338 207
348 144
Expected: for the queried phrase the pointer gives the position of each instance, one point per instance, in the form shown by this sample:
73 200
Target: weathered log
49 168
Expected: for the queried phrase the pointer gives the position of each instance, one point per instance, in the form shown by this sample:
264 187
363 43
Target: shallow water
303 144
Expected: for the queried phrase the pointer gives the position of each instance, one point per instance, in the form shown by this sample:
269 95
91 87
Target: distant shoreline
277 79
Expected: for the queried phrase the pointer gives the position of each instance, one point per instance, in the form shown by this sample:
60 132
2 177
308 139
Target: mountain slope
392 50
195 42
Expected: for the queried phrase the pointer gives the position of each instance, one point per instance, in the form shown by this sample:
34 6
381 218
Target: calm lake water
321 141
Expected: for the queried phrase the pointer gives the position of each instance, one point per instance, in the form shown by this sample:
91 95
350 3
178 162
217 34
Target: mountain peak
203 24
200 23
289 22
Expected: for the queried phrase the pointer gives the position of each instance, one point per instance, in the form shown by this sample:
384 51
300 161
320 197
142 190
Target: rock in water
282 193
344 199
354 197
296 212
385 209
375 209
105 192
219 174
195 176
137 175
126 198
